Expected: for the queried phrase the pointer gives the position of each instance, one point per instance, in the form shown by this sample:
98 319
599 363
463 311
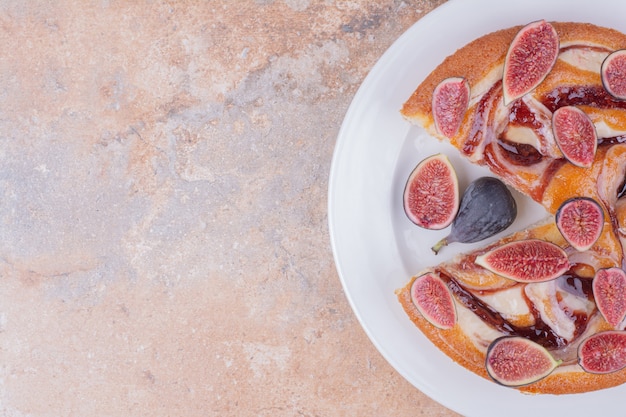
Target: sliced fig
530 260
580 220
575 135
487 208
431 194
433 299
609 292
515 361
613 72
604 352
450 101
529 60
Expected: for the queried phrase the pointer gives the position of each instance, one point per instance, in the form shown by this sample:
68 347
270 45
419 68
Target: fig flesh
530 260
609 292
604 352
575 135
580 220
613 73
431 194
487 208
515 361
434 301
450 101
530 58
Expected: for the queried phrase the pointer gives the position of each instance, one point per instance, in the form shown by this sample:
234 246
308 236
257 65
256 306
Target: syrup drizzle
539 332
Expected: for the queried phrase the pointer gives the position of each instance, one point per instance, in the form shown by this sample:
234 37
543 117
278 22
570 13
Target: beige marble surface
164 248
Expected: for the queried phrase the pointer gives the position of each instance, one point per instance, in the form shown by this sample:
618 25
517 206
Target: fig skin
450 102
575 135
609 292
514 260
530 58
431 193
515 361
613 74
433 299
604 352
487 208
580 220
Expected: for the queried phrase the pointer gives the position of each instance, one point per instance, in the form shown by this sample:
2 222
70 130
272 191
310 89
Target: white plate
377 249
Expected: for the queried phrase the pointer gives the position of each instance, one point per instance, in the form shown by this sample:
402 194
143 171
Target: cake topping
515 361
609 291
434 301
575 134
580 220
530 58
530 260
613 74
450 102
604 352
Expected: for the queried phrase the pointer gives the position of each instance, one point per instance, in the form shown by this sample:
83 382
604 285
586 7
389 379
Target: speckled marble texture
164 246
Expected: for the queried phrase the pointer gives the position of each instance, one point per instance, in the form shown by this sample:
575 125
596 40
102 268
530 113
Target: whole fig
487 208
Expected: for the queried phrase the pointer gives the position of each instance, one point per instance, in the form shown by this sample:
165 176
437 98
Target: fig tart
543 107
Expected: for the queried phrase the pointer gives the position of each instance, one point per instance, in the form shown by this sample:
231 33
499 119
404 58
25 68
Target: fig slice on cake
580 220
450 102
529 59
613 73
515 361
575 135
530 260
433 299
604 352
609 292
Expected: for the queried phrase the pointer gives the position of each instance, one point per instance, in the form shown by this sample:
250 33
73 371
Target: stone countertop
164 243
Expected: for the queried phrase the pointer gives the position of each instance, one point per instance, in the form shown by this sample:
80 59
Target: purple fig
613 72
609 292
516 361
487 208
530 260
431 194
604 352
580 220
433 299
530 59
450 101
575 135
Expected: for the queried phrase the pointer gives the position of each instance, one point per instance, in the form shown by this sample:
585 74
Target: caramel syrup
539 332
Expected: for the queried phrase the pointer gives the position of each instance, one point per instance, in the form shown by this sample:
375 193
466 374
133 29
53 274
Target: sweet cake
543 107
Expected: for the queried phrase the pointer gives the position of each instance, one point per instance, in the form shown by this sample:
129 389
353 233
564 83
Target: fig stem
439 245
